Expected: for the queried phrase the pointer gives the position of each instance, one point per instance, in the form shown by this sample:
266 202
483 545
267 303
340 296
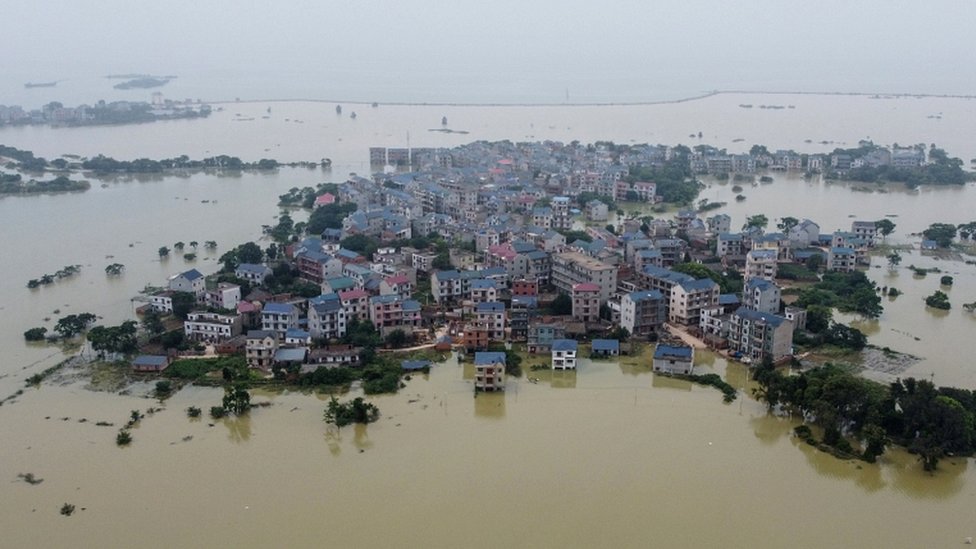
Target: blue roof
290 354
411 365
488 357
606 345
340 283
388 298
525 300
760 283
448 275
763 254
755 316
728 299
700 284
410 305
672 351
667 274
149 360
490 307
279 308
295 333
644 295
564 345
253 268
729 236
192 274
841 251
482 284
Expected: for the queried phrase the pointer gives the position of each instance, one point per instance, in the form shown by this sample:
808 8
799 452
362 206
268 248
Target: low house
252 272
564 354
489 371
414 365
673 359
332 357
295 337
603 348
162 302
211 327
290 357
191 281
150 363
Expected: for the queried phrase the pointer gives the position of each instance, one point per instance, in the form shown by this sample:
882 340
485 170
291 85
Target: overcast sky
875 45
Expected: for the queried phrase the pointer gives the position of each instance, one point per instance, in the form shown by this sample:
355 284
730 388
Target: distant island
101 113
12 184
141 83
40 84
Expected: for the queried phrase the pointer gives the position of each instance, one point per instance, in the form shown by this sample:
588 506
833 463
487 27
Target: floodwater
609 455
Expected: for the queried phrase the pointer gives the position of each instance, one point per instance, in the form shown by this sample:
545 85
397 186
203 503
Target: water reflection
563 379
666 382
238 428
360 437
490 405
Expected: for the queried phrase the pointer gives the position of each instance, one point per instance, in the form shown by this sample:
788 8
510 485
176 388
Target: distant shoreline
688 99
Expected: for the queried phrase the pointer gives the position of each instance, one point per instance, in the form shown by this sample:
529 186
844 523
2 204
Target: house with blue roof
673 359
252 272
841 260
191 281
756 336
489 371
414 365
564 354
761 295
604 348
279 318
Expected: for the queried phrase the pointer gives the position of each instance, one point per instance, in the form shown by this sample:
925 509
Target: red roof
586 287
353 294
398 279
327 198
246 307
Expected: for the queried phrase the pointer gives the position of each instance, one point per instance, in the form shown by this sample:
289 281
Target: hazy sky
612 48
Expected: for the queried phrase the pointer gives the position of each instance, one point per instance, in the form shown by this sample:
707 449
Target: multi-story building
842 260
252 272
162 302
317 266
211 327
396 285
355 304
586 302
483 291
564 353
520 314
391 312
224 296
260 348
643 312
761 264
761 295
561 218
866 230
760 335
489 371
728 244
673 359
688 298
542 334
279 318
190 281
327 317
491 315
571 268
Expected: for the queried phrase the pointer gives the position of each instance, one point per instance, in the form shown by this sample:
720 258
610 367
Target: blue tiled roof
411 365
149 360
667 274
700 284
645 295
192 274
295 333
279 308
290 354
728 299
488 357
490 307
729 237
482 284
564 345
606 345
841 251
253 268
753 315
672 351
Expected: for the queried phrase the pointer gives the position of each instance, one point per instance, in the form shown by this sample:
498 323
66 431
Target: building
150 363
327 317
489 371
689 297
841 260
483 291
761 295
761 264
520 314
162 302
597 210
760 335
396 285
797 316
279 318
225 296
564 354
804 233
491 316
190 281
260 348
211 327
728 244
391 312
603 348
673 359
586 302
642 312
317 267
542 334
571 268
355 303
866 230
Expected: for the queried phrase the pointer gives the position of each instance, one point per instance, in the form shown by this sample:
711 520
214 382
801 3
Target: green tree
894 259
115 269
119 339
787 223
163 251
885 227
74 324
818 318
183 304
759 221
194 244
153 323
941 233
396 339
179 246
561 305
35 334
938 300
236 400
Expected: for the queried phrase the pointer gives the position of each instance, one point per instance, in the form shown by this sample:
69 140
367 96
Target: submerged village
528 256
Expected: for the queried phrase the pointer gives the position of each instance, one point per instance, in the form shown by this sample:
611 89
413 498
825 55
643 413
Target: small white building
564 354
674 359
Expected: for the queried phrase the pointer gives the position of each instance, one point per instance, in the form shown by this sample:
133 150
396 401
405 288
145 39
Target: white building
564 354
